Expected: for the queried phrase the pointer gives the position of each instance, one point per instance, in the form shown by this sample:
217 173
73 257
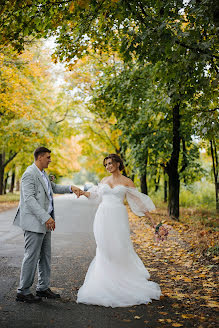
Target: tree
207 127
182 38
31 113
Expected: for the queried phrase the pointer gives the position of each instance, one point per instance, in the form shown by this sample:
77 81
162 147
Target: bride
117 277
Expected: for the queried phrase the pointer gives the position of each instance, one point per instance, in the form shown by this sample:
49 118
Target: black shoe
30 298
47 293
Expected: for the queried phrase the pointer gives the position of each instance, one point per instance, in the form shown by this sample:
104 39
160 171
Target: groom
35 215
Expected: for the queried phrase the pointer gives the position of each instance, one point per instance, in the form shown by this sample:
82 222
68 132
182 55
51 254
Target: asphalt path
73 247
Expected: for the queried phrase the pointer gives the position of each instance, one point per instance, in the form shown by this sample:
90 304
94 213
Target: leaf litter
185 276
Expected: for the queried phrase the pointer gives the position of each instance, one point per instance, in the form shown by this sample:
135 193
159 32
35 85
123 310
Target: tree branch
207 111
182 44
62 119
196 49
9 160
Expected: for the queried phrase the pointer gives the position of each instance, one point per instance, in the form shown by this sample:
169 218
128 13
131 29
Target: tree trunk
173 200
18 185
172 167
2 170
144 187
12 181
157 183
5 183
215 170
3 164
184 161
143 177
165 188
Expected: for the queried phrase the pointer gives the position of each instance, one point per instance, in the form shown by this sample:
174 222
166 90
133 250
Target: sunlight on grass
200 195
9 197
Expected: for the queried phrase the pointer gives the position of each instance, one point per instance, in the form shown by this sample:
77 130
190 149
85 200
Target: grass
9 197
198 216
199 196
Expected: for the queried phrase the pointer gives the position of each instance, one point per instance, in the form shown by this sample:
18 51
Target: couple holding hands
116 276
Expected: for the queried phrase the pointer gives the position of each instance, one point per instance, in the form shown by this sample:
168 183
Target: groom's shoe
47 293
30 298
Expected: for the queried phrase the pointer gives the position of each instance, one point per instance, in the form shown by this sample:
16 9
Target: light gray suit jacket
32 211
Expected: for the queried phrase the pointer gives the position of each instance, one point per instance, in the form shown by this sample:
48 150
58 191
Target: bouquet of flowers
161 231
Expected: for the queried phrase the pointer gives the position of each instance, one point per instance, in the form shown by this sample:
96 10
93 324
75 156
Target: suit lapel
49 182
40 178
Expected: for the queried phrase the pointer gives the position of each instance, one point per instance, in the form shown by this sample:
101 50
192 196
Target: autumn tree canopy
175 40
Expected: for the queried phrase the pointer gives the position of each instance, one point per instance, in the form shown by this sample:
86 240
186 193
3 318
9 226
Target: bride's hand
85 193
77 191
153 223
82 193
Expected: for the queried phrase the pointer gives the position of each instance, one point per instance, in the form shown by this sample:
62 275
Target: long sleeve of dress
138 202
95 194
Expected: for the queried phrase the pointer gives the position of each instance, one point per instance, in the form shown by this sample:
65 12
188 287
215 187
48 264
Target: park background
89 78
86 78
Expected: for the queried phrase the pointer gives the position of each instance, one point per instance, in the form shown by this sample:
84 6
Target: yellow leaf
213 304
164 313
215 259
188 316
175 305
71 7
137 317
176 324
187 279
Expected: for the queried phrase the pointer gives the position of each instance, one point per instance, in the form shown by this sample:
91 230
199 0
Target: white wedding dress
117 277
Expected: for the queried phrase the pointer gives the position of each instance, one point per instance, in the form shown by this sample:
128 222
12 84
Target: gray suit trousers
37 253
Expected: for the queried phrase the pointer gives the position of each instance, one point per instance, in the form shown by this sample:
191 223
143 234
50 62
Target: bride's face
111 166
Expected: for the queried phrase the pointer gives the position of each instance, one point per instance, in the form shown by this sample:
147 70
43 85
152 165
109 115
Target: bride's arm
94 189
139 203
94 193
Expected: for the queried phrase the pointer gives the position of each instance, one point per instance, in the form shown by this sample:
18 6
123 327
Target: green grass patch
9 197
200 196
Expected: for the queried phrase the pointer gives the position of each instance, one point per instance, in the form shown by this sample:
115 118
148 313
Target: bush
200 195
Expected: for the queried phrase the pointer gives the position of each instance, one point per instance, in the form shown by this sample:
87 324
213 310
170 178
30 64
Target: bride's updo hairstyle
116 159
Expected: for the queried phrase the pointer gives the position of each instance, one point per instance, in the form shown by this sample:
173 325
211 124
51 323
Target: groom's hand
50 224
76 190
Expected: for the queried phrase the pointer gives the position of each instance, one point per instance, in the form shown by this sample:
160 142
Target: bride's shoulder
104 180
128 182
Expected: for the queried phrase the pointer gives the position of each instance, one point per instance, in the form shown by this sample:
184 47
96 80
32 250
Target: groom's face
45 160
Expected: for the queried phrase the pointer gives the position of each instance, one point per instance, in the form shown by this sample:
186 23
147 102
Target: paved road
72 237
73 247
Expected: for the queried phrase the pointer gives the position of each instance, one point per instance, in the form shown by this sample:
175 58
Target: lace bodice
138 202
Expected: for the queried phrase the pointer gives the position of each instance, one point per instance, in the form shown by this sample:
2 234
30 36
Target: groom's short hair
40 150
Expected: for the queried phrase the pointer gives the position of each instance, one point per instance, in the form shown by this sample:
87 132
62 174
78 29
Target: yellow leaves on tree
65 158
19 76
